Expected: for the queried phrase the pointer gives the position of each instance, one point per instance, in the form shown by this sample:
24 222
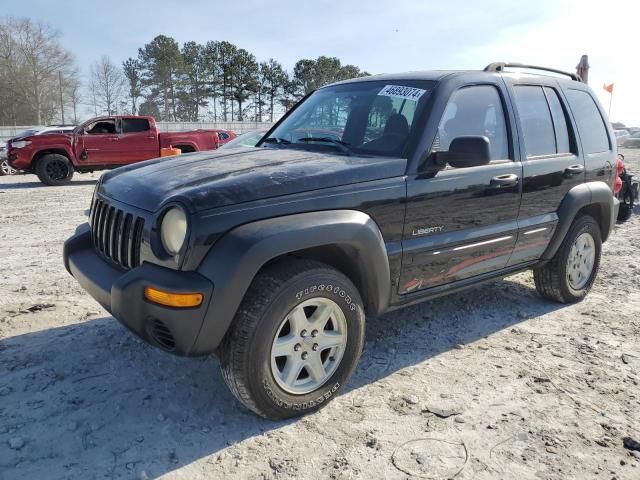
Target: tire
566 278
280 293
54 170
624 213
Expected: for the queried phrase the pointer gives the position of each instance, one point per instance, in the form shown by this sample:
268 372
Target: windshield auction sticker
410 93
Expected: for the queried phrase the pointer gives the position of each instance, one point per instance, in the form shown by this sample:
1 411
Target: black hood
207 180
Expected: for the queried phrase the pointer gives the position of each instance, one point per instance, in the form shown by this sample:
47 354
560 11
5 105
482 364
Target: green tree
132 72
226 54
162 65
149 108
197 85
244 70
304 75
312 74
290 93
214 73
274 78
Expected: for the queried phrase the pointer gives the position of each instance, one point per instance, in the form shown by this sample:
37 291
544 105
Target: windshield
370 118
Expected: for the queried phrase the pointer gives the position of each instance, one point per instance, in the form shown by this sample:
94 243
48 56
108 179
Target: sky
377 36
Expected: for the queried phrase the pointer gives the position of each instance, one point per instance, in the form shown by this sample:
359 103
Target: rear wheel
54 170
569 275
295 341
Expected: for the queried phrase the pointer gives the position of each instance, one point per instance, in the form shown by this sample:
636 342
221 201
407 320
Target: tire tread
233 350
549 279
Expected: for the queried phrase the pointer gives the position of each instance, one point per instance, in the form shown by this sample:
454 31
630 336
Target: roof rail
500 66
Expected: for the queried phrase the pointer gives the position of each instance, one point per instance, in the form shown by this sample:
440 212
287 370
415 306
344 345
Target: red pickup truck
102 143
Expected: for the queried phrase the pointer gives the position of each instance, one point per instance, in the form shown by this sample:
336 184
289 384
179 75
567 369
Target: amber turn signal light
177 300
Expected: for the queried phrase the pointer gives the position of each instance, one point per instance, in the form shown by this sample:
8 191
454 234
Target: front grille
116 234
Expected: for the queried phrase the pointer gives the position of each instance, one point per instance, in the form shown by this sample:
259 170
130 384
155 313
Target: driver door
462 222
100 142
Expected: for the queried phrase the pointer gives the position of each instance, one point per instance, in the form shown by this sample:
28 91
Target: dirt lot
491 383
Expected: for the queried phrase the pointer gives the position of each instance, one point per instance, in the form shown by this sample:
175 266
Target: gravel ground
491 383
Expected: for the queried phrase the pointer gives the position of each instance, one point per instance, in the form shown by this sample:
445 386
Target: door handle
574 169
114 139
151 137
507 180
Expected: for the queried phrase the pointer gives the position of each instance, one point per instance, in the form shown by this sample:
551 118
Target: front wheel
569 275
295 341
54 170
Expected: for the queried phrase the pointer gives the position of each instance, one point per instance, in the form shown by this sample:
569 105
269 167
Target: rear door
552 164
138 140
597 144
462 222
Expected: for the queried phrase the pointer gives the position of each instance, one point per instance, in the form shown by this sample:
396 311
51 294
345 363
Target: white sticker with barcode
410 93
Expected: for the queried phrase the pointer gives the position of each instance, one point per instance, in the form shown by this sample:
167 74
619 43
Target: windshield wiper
277 140
342 146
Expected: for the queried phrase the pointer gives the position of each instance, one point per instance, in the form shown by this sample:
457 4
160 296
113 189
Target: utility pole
61 102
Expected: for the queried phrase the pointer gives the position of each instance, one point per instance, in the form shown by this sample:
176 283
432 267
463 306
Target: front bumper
121 293
17 160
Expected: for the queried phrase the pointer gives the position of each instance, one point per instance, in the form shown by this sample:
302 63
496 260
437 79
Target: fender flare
236 258
591 194
58 149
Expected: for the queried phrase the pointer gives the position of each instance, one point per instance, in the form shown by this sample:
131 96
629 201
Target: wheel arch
592 198
347 240
48 151
186 147
344 258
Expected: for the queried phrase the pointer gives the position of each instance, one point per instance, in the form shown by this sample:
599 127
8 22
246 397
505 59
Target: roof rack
500 66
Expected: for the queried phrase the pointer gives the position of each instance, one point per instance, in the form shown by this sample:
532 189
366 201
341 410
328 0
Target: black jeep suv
369 195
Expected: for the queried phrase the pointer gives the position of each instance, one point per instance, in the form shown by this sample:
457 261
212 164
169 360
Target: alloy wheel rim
309 345
6 168
57 170
581 261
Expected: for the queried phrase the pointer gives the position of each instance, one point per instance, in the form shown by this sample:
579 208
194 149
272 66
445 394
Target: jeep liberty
369 195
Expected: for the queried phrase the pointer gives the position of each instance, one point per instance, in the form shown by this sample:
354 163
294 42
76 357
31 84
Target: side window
223 136
591 126
536 122
559 121
475 110
101 127
134 125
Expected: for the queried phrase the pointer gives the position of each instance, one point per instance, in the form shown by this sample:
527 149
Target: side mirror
466 151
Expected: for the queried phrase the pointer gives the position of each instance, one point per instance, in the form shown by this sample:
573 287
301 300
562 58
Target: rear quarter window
591 126
133 125
563 144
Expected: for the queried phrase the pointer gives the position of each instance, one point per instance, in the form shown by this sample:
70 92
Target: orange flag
608 88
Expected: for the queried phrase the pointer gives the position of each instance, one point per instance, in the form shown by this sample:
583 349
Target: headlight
20 144
173 230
